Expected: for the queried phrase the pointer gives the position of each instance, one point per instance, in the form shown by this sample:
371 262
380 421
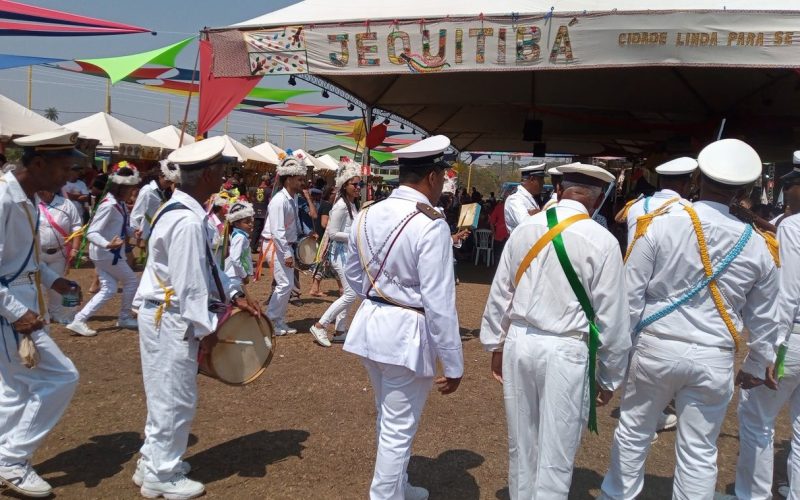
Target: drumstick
238 342
259 319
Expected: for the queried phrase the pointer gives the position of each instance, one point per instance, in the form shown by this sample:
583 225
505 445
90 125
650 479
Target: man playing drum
181 292
399 259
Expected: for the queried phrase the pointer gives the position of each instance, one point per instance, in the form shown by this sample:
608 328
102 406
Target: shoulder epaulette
429 211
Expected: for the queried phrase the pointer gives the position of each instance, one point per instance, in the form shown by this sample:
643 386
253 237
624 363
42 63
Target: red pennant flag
376 136
218 96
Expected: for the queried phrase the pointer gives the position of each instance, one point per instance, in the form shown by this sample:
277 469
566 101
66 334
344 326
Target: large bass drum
306 252
240 350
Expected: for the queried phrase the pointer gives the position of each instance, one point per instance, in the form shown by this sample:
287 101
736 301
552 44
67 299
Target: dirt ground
305 429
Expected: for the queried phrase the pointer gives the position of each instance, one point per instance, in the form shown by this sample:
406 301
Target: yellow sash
543 241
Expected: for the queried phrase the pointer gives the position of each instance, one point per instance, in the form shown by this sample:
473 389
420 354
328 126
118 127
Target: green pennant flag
117 68
279 95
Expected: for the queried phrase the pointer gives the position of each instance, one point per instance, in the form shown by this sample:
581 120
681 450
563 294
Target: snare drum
306 252
243 349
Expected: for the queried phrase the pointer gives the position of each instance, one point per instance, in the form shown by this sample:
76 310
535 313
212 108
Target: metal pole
266 130
283 138
365 156
108 96
30 87
169 111
189 98
226 123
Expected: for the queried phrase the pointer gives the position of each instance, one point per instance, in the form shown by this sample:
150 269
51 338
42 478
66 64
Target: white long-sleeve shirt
111 219
65 215
543 299
16 238
789 275
239 263
665 263
638 209
517 206
177 257
340 222
419 273
146 205
282 225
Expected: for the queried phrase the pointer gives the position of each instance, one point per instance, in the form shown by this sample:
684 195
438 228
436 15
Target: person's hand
307 194
245 304
28 323
603 396
115 243
314 236
770 380
497 366
447 385
289 261
533 211
63 286
460 236
137 233
747 381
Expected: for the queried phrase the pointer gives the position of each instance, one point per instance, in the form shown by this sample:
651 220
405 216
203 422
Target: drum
306 252
243 349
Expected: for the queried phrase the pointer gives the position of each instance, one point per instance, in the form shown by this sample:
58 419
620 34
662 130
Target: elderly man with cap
556 315
34 395
151 196
695 279
521 204
108 235
179 298
759 406
283 228
399 260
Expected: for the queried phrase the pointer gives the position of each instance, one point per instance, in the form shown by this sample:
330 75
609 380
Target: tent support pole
365 173
30 87
108 96
189 97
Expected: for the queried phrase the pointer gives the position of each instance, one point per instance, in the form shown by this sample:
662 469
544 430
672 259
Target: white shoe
24 480
138 475
320 336
784 491
179 487
666 422
415 492
81 328
281 328
128 323
339 338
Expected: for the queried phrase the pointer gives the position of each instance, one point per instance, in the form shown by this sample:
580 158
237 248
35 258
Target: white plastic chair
484 243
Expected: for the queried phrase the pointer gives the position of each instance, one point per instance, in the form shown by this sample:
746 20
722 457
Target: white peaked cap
594 171
678 166
199 152
730 161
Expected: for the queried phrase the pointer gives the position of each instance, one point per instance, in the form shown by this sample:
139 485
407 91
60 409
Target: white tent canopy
17 120
588 77
326 162
242 152
111 132
170 136
269 151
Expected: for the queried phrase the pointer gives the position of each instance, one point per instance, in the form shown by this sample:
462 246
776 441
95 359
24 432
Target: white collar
189 202
573 205
666 193
410 194
14 187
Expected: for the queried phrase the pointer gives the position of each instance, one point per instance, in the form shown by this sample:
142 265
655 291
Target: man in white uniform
687 325
76 190
555 177
58 219
521 204
32 400
151 196
537 328
399 260
674 181
760 405
284 226
180 283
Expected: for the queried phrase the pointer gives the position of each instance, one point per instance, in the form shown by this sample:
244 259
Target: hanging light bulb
292 81
325 94
350 106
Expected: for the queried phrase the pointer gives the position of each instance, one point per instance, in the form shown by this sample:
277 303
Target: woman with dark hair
348 185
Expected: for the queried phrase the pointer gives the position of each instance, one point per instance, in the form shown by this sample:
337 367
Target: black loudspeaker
539 149
532 131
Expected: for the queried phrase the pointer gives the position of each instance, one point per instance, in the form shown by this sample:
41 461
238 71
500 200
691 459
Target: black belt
51 251
381 300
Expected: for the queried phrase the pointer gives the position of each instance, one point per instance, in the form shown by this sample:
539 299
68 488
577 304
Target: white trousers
546 395
284 282
32 400
400 396
338 311
110 275
169 371
700 380
58 313
758 409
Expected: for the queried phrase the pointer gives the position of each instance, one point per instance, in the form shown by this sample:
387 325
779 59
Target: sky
76 96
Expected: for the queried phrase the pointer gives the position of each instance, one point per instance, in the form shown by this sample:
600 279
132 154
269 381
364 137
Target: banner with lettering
513 43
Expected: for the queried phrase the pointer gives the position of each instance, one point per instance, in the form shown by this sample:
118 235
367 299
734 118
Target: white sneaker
339 338
24 480
179 487
415 492
666 422
138 475
784 491
128 323
281 328
320 336
81 328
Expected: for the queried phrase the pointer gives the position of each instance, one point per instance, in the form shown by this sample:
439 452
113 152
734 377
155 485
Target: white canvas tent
269 151
170 136
326 162
17 120
588 77
111 132
242 152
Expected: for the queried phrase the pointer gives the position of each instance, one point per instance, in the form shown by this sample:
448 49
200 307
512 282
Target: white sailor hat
793 176
170 171
59 142
678 166
426 152
796 158
730 161
583 173
240 210
533 170
291 164
347 170
201 154
554 171
124 174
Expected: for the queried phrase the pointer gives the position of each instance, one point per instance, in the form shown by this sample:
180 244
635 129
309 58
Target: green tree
251 140
51 114
191 127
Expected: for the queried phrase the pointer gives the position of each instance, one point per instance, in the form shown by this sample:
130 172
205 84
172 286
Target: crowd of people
572 316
